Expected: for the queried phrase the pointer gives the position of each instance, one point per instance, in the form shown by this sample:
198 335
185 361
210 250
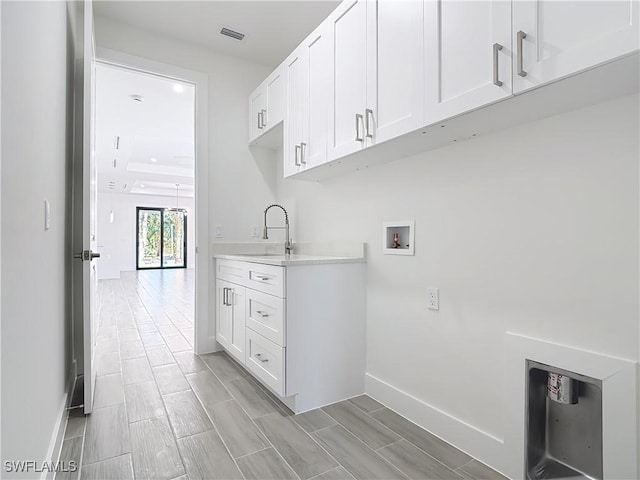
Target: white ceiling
272 28
156 136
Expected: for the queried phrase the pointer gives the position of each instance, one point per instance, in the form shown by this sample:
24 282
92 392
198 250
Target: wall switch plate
254 231
219 231
433 302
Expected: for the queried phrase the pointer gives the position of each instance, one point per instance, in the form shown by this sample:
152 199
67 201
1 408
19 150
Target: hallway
162 412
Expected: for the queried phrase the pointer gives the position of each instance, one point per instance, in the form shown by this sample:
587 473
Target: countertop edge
313 260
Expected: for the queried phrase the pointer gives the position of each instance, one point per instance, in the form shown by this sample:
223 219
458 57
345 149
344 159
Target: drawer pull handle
259 357
359 120
496 81
520 36
368 114
262 277
262 314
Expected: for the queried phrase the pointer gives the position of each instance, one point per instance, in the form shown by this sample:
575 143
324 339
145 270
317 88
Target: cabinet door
236 301
257 103
347 78
275 91
395 88
565 37
461 55
223 317
294 71
315 99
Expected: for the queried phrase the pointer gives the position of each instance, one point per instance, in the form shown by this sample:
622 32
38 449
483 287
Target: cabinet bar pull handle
496 48
259 357
224 296
368 115
302 147
261 277
259 120
264 118
298 148
358 121
262 314
521 36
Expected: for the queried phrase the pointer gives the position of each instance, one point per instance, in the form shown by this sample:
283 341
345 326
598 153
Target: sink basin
260 254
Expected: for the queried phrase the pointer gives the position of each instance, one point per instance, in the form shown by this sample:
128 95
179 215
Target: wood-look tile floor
161 412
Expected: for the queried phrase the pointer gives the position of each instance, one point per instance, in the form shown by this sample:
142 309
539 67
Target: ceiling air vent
232 33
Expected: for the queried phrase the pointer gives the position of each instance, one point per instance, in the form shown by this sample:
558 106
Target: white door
236 299
315 99
468 55
223 317
395 97
293 126
553 38
348 78
89 210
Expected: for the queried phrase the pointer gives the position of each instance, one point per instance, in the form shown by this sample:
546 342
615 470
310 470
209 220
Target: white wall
35 262
533 230
117 240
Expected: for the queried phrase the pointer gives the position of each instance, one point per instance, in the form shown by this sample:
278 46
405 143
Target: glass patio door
161 238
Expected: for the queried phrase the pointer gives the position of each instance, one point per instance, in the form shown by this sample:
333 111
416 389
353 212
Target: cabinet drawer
265 315
231 271
265 360
265 278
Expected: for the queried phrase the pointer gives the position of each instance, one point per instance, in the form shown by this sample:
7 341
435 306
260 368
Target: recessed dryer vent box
398 238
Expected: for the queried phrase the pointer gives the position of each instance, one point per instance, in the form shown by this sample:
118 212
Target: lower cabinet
306 343
230 321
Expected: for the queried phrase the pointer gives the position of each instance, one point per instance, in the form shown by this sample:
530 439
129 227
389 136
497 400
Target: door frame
204 334
161 210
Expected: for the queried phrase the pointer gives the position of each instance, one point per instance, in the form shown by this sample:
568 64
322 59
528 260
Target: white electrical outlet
219 231
433 301
254 230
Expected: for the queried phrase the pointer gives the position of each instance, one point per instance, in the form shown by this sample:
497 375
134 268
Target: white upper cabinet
266 105
468 55
395 82
275 99
294 72
347 78
377 70
313 149
376 74
305 143
553 39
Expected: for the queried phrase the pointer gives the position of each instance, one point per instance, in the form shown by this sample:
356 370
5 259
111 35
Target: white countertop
284 260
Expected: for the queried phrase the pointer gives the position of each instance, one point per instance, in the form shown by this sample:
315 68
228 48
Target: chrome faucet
288 246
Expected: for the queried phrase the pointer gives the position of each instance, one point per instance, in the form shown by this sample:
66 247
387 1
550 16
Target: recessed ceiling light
154 160
142 185
178 88
136 98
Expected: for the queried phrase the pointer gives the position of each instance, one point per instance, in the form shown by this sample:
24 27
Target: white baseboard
57 437
479 444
